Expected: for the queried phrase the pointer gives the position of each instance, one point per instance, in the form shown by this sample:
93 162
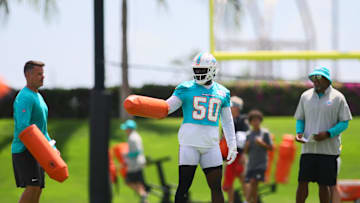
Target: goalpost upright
263 55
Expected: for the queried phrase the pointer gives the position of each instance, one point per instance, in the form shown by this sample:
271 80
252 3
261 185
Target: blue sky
156 37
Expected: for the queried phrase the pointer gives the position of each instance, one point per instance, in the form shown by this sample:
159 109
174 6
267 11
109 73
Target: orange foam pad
44 153
146 106
4 89
270 156
287 152
223 148
112 169
120 151
349 189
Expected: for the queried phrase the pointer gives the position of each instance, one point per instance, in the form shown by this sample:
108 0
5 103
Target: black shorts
27 170
257 174
318 168
135 177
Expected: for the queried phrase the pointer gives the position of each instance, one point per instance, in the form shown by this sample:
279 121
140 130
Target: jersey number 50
200 109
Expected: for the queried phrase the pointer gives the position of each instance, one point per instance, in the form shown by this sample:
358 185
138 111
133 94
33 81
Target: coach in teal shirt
29 108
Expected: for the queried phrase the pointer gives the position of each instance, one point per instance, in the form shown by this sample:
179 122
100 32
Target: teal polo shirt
29 108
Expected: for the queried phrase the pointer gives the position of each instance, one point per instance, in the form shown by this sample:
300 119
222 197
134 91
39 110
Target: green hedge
273 98
281 98
59 102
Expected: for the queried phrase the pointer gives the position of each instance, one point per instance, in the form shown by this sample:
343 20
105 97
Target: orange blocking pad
270 156
287 152
349 189
146 106
4 89
112 169
120 151
223 148
44 153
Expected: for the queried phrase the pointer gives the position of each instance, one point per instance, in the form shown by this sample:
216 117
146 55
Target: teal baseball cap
129 124
321 71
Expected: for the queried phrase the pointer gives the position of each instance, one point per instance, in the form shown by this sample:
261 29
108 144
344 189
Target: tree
124 90
48 7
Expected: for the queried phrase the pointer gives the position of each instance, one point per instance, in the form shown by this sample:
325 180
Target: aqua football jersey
201 105
29 108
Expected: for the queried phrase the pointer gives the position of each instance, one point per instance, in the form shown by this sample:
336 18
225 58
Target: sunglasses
315 77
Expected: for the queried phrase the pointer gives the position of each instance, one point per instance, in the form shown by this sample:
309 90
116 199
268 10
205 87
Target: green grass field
160 139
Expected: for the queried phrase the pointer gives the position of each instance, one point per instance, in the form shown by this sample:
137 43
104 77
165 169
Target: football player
203 103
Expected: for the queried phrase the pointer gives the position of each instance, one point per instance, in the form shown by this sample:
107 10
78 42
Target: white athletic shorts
206 157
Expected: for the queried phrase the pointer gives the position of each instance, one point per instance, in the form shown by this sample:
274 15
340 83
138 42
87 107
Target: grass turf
160 139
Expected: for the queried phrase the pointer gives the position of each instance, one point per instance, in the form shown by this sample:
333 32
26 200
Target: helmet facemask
202 75
204 68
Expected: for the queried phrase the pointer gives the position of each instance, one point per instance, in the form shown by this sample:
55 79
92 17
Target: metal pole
335 36
211 26
99 44
99 183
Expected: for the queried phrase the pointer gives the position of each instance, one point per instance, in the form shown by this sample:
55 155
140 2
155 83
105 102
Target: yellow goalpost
272 55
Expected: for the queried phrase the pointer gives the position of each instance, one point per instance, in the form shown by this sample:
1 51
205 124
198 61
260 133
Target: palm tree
125 88
50 8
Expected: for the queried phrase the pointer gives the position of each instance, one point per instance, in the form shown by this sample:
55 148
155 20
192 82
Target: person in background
236 169
258 142
135 160
321 116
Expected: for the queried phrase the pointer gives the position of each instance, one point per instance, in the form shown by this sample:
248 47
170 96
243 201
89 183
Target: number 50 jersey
201 106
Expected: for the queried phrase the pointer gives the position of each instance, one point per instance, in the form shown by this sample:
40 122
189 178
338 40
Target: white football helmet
204 67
